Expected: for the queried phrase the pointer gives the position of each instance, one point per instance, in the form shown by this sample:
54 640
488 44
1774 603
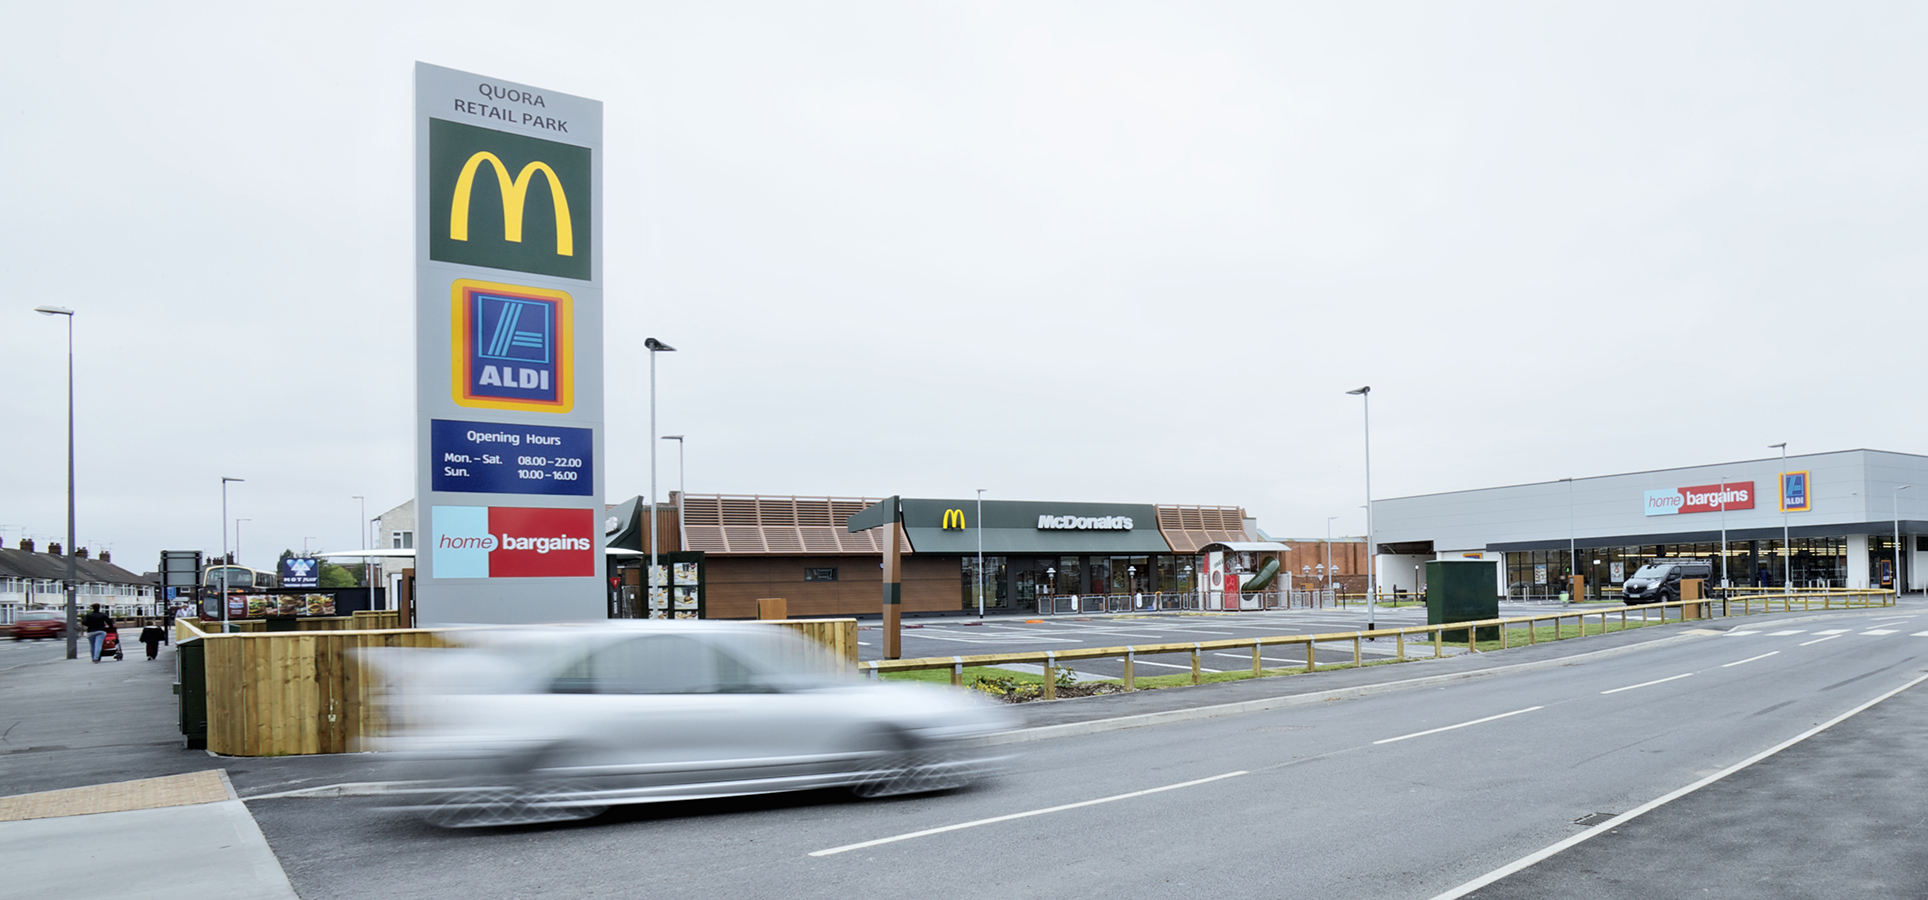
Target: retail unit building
1839 511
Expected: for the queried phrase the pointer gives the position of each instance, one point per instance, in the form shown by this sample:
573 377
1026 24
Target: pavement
96 774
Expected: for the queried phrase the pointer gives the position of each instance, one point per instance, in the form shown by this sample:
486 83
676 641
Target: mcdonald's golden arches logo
953 518
528 173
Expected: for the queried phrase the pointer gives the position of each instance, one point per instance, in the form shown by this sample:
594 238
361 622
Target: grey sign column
509 351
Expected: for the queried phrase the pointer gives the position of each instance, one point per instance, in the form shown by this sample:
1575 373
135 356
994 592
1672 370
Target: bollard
957 671
1311 662
1357 658
1130 657
1196 650
1050 676
1255 658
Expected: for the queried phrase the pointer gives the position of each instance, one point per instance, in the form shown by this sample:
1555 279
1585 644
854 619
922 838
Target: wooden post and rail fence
1455 633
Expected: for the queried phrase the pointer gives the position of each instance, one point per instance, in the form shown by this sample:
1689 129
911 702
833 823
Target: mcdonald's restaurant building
1819 520
800 549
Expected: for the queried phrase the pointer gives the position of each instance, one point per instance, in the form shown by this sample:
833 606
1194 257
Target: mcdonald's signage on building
953 518
508 351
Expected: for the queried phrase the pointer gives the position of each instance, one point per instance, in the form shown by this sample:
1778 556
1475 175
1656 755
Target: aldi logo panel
514 347
514 542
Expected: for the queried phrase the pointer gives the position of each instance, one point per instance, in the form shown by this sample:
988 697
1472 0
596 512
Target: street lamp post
1572 556
1372 581
655 346
1896 502
682 495
72 586
226 568
1723 533
1787 549
367 580
980 555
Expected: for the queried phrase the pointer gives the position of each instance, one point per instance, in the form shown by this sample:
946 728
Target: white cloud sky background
1078 251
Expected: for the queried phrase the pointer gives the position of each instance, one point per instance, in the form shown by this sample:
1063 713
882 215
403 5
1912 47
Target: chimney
26 543
53 548
81 553
106 556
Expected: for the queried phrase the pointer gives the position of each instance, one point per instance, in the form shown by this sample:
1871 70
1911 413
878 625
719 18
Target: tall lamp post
1372 581
655 346
980 554
682 495
72 587
1572 555
367 580
1723 533
225 567
1896 502
1780 494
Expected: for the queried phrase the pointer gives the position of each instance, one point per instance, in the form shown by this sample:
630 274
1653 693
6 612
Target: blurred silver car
560 722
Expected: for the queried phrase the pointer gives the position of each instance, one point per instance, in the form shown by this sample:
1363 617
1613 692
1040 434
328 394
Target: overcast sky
1071 251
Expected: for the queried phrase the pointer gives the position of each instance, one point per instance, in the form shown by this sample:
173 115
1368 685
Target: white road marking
1261 659
1818 640
1739 633
1787 632
1919 634
1835 631
1147 662
1877 632
1646 684
1750 659
1605 827
1023 815
1460 725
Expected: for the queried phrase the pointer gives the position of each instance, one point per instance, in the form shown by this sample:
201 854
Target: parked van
1659 581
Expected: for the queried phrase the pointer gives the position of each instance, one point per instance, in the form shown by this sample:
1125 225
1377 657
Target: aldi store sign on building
1734 495
508 323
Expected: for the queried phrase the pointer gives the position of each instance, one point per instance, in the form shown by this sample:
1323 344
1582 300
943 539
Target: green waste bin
1463 590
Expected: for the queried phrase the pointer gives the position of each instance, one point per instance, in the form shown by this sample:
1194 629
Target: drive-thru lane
1402 794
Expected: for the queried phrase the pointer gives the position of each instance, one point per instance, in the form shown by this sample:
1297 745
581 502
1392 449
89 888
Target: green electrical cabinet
1463 590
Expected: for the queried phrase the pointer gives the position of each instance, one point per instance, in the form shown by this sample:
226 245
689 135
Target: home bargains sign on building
1700 499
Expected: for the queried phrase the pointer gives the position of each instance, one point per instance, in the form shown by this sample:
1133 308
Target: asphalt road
1407 793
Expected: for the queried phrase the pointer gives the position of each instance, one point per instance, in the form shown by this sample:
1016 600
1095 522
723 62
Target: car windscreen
1652 572
40 617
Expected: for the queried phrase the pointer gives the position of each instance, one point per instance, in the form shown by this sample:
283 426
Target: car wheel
520 800
901 766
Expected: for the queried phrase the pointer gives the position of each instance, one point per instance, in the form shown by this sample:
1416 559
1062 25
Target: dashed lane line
1648 683
1818 640
1749 659
1460 725
1021 815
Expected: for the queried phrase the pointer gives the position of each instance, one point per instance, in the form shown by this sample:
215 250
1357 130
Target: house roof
48 567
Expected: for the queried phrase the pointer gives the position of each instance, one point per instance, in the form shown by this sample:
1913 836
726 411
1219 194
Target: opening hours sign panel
508 355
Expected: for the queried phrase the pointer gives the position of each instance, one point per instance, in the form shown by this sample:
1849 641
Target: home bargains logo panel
513 347
1733 495
513 542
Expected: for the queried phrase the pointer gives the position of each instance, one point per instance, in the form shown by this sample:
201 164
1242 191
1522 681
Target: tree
334 576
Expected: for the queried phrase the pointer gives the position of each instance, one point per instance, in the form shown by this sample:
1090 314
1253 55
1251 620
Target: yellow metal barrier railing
1689 610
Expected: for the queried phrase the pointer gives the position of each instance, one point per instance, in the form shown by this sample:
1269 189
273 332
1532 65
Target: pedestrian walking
97 623
151 636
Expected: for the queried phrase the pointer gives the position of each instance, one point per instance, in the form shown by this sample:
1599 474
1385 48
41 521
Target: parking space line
1460 725
1022 815
1147 662
1647 683
1818 640
1749 659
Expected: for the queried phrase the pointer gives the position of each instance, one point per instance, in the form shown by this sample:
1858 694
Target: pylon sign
508 354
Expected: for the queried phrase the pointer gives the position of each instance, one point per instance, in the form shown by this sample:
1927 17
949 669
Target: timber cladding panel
735 583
